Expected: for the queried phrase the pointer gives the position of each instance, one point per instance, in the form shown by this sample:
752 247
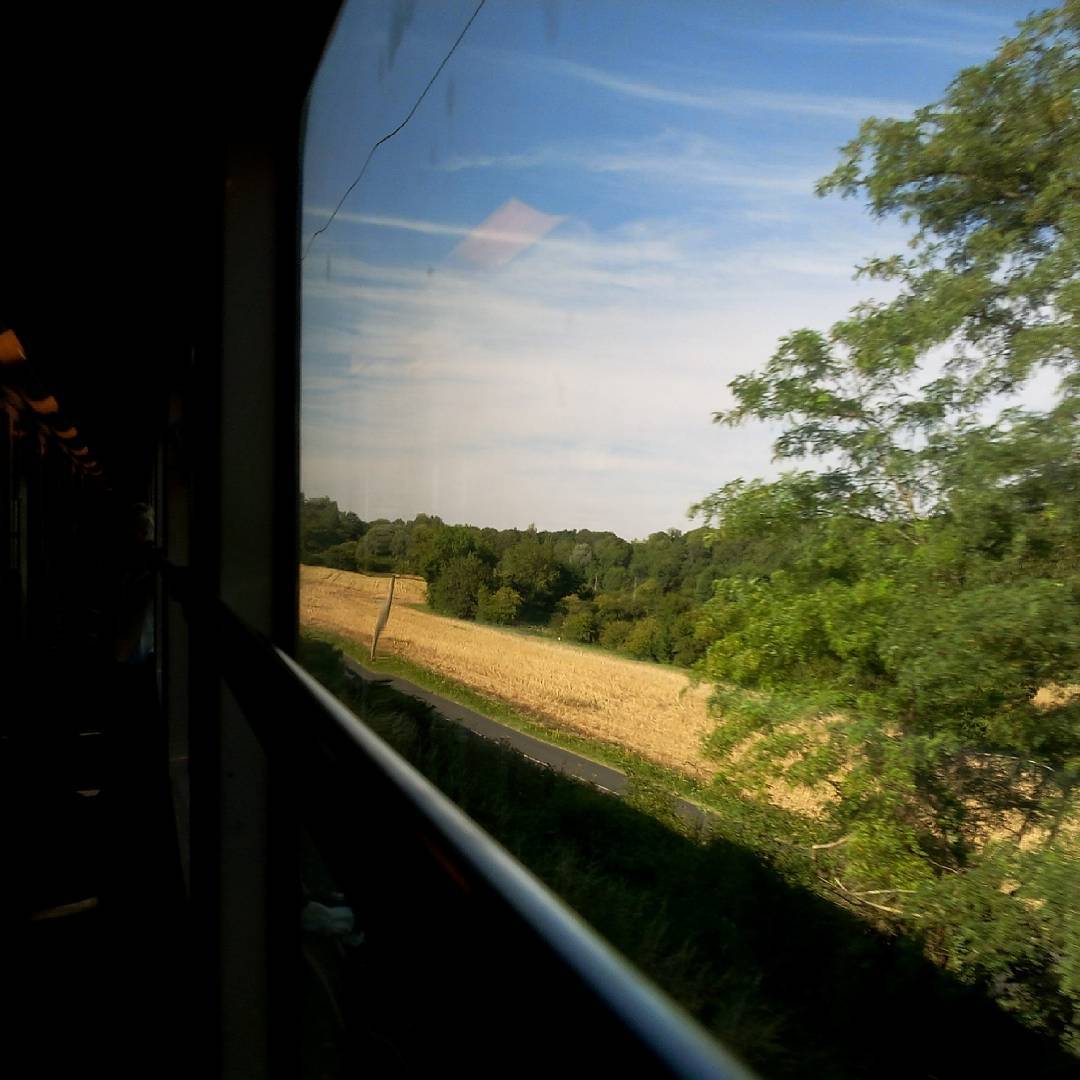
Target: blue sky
529 308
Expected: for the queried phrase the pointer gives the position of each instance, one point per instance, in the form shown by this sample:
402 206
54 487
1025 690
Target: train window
712 543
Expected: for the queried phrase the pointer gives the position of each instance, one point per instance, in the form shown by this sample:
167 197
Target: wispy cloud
636 246
567 376
572 385
736 99
956 13
892 41
677 159
385 221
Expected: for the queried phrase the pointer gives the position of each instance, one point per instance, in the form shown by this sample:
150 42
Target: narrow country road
566 762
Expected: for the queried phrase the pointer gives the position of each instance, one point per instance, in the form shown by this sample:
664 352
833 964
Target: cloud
676 159
438 228
570 386
737 99
892 41
956 13
384 221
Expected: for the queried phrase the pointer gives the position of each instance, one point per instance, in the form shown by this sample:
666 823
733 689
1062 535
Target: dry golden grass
1054 696
809 800
651 710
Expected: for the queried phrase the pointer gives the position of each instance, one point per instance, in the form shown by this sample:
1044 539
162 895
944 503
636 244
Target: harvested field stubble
651 710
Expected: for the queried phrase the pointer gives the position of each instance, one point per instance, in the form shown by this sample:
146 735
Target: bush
456 590
340 556
613 635
580 626
500 607
643 640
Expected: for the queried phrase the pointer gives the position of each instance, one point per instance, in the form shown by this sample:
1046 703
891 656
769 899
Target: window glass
689 411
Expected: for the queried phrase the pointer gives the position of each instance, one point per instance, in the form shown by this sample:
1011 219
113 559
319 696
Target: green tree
988 176
340 556
644 642
322 525
500 607
437 545
898 607
456 589
611 551
580 622
383 545
531 569
613 634
920 496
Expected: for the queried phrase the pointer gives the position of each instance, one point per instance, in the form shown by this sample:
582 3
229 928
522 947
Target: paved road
567 762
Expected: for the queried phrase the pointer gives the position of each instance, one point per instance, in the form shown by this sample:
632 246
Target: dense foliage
913 638
640 597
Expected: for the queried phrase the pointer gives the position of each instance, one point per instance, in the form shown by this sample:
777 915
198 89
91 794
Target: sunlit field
654 711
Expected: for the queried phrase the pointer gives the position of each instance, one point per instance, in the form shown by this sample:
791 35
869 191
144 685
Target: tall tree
988 297
906 630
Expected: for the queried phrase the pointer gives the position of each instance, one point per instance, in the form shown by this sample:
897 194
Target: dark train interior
127 131
148 479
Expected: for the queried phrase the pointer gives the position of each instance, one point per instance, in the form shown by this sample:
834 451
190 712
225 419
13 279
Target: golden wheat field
651 710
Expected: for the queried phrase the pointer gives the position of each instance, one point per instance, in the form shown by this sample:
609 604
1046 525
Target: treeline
640 597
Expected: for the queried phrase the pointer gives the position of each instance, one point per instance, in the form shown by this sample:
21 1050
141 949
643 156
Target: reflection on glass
546 247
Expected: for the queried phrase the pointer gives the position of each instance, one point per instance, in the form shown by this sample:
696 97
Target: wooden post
384 614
